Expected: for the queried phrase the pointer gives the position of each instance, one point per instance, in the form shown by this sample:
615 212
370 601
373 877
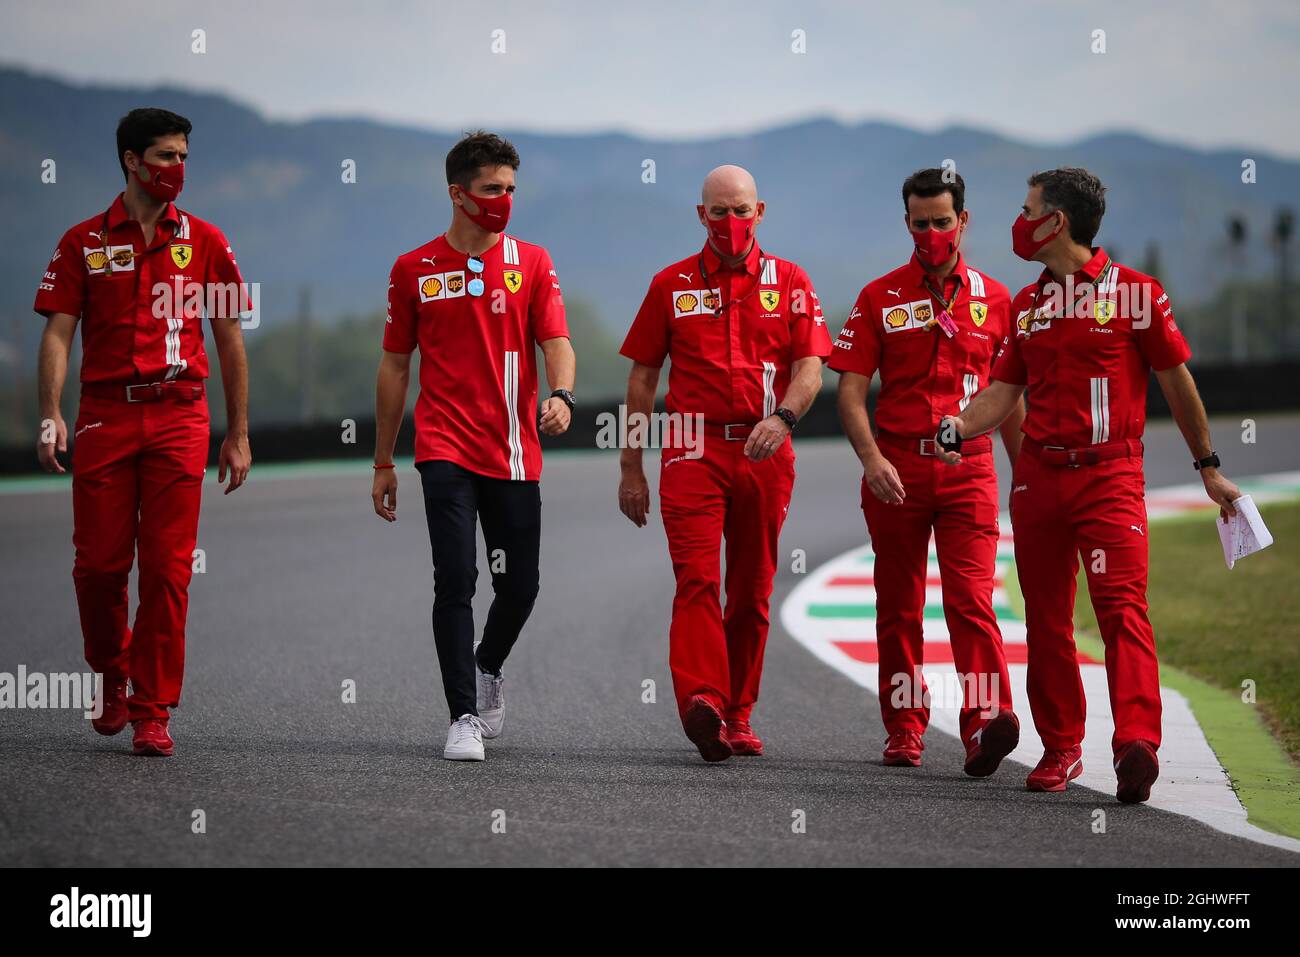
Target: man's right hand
950 427
53 440
384 494
882 478
634 494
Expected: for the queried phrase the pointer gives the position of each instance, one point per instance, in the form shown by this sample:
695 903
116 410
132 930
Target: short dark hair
475 150
1077 193
140 129
935 182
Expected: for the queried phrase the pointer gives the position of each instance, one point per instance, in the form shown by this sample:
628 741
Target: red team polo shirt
1088 372
924 374
731 368
103 273
478 363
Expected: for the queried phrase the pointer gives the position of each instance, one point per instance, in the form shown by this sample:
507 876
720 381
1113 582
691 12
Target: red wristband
390 465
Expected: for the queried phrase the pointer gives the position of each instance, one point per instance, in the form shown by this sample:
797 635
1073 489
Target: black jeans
511 515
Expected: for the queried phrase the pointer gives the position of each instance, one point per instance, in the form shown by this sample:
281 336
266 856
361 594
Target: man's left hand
235 456
766 438
1222 491
555 416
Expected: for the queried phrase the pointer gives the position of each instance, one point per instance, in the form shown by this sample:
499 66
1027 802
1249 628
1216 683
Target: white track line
1192 781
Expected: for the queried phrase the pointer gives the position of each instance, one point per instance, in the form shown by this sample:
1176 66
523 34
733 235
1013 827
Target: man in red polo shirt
1087 335
477 302
745 334
932 328
129 275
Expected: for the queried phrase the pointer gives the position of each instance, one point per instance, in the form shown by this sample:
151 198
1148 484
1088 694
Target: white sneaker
464 739
491 702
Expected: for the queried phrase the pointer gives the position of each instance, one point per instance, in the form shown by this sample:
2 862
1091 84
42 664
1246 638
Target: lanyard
947 306
1035 311
708 285
125 255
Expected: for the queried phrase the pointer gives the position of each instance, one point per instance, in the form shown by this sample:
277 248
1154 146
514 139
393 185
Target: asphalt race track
305 588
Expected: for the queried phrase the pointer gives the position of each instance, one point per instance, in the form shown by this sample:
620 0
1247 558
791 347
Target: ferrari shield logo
514 279
978 313
770 299
1103 310
182 253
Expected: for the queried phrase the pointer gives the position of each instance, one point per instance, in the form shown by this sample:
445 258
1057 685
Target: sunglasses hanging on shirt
475 286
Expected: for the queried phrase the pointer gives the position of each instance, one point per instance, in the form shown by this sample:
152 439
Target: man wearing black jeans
477 302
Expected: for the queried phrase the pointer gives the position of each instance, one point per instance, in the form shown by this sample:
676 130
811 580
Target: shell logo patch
112 259
182 253
431 287
770 299
514 279
979 312
897 317
686 303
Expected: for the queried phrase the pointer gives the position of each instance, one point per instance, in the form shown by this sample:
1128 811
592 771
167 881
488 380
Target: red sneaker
113 718
991 743
1056 769
1136 768
151 737
742 739
704 726
903 749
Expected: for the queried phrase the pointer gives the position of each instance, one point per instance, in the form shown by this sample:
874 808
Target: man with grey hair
745 334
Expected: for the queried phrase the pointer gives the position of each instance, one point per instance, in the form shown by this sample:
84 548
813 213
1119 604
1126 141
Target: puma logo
1138 529
686 275
895 292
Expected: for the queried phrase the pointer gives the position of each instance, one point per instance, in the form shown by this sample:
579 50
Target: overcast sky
1198 72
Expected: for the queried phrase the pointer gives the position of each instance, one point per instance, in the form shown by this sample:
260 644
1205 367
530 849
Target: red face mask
493 211
165 182
731 235
1023 243
934 248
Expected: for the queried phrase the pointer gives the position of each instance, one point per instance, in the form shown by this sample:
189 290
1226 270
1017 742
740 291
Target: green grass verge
1216 629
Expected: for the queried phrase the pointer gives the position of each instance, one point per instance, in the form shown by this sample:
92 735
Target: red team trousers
1099 511
136 484
722 495
960 504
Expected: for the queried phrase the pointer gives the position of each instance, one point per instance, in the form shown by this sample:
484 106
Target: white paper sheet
1244 533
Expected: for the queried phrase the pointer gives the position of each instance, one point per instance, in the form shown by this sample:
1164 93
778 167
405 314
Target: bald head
729 191
729 186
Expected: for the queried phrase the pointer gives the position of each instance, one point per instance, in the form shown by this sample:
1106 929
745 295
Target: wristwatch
788 417
942 431
1211 461
567 396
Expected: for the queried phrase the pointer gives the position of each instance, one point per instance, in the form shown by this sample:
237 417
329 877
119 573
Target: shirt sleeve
63 288
647 340
400 326
1009 366
546 308
857 348
808 335
223 269
1159 339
